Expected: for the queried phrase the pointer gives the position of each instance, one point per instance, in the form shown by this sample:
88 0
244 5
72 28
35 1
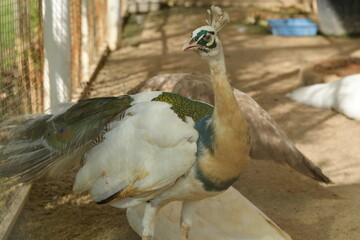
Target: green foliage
7 32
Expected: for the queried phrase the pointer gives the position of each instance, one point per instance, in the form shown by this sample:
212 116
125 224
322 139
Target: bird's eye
207 38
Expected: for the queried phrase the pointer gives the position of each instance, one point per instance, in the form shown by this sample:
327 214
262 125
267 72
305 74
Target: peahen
268 140
342 95
152 147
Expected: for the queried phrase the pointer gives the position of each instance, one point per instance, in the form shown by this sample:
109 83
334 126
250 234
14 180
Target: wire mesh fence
20 57
21 64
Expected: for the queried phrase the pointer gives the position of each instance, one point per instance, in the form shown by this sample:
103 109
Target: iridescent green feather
185 107
83 122
34 145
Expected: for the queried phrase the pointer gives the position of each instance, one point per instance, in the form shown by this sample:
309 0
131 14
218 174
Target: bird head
204 40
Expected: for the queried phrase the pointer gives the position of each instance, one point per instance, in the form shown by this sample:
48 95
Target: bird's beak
191 44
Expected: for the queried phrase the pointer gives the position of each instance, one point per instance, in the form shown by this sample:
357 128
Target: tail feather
35 145
315 172
34 165
20 163
27 166
23 155
269 141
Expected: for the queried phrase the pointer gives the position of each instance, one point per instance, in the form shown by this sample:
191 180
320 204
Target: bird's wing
148 149
32 145
269 141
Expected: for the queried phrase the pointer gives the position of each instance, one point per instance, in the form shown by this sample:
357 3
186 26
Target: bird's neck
224 99
231 132
227 112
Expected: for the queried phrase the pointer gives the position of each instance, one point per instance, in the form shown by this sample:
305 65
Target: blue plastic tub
293 27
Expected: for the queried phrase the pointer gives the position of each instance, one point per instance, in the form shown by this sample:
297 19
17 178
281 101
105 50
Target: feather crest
217 18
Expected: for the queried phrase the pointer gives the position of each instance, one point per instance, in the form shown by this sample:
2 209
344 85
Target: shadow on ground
265 67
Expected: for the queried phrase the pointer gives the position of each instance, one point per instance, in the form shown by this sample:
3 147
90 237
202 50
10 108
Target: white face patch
206 47
206 28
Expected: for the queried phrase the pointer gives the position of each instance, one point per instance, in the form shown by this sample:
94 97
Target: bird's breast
222 153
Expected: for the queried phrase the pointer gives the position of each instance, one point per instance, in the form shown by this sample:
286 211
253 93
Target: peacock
342 95
151 147
268 140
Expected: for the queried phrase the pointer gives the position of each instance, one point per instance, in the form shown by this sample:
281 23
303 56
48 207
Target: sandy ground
265 67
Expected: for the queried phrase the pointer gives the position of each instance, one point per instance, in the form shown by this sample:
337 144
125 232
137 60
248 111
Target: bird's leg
148 221
187 210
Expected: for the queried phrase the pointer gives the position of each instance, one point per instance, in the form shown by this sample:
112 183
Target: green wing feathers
31 146
83 122
21 150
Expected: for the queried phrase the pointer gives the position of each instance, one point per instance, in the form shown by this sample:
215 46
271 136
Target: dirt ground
264 66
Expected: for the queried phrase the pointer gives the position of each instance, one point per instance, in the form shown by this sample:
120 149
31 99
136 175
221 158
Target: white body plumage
342 95
155 149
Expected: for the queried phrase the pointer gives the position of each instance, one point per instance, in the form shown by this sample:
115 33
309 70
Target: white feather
147 150
342 95
145 96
